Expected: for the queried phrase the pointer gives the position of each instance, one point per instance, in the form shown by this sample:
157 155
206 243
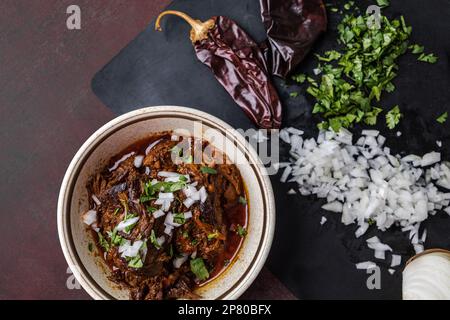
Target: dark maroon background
47 111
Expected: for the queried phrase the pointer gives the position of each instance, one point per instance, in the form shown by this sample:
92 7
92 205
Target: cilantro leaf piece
103 242
383 3
442 118
242 200
199 269
179 218
416 49
393 117
208 170
293 94
430 58
241 231
299 78
136 262
154 241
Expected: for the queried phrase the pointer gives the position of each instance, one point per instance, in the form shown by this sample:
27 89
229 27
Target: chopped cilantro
355 76
179 218
442 118
102 241
416 49
241 231
242 200
143 199
430 58
213 235
293 94
299 78
154 241
208 170
393 117
199 269
383 3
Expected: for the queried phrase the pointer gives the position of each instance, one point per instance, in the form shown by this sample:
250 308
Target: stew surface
164 223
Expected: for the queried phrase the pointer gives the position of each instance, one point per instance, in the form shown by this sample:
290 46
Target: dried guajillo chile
292 27
237 63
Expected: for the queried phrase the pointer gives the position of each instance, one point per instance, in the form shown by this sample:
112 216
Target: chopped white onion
90 217
96 200
203 194
396 260
178 261
151 145
129 250
167 174
366 265
158 213
124 224
118 162
187 215
188 202
138 160
366 183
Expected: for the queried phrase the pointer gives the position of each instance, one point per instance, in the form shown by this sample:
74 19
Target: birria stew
165 221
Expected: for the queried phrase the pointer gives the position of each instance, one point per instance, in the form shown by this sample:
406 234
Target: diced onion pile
366 184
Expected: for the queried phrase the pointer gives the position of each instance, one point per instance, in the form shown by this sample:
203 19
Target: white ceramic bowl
91 271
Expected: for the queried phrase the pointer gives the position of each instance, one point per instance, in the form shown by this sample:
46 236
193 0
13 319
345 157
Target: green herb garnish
430 58
442 118
102 241
143 199
213 235
116 239
416 49
130 227
242 200
151 209
293 94
135 262
358 74
208 170
154 241
241 231
199 269
393 117
299 78
116 211
179 218
383 3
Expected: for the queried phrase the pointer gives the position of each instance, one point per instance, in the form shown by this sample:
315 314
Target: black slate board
159 68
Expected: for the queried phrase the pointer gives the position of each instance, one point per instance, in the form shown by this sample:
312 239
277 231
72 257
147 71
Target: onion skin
427 276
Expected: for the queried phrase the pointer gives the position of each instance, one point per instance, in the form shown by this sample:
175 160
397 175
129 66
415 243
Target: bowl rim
88 283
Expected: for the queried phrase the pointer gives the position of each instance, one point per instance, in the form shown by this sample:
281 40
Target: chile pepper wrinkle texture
238 64
292 27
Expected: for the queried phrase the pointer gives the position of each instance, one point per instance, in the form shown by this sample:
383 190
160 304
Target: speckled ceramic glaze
90 270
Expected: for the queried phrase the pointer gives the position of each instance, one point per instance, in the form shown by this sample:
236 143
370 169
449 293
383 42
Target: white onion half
427 276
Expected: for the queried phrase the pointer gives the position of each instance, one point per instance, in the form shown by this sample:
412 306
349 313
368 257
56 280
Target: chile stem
199 29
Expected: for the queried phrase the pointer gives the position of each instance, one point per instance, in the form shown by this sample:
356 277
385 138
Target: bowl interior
90 269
